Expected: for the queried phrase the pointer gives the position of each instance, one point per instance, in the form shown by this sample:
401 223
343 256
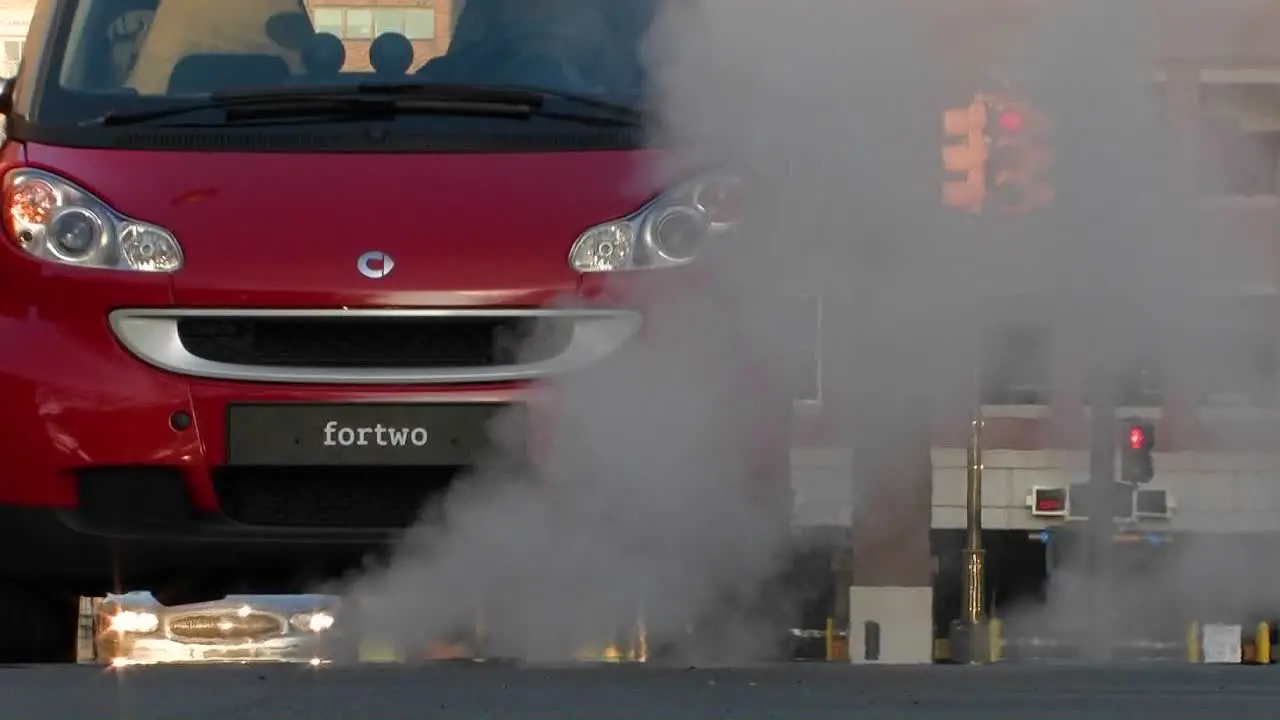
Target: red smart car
262 263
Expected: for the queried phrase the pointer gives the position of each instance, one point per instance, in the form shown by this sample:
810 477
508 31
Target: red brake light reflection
1050 504
1050 501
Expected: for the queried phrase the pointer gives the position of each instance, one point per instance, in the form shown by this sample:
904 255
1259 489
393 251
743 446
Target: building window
12 57
328 20
359 24
1242 373
1141 383
809 343
387 20
368 23
420 24
1015 367
1240 137
799 320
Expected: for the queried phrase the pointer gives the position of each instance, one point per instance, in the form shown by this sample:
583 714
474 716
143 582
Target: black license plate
368 434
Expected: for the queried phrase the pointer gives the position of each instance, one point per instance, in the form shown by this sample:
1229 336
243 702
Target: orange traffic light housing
964 156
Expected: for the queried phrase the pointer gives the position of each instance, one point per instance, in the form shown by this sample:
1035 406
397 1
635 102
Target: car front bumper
154 651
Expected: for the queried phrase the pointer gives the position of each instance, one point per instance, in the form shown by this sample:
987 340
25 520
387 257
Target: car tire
37 626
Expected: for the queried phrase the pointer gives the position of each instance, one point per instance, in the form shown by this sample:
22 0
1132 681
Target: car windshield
145 53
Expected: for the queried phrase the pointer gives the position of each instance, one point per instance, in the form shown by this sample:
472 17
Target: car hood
270 603
286 229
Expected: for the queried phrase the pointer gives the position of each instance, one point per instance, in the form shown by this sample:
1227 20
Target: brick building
426 23
15 17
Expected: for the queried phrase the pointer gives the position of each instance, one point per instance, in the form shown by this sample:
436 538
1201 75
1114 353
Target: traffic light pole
974 591
1101 526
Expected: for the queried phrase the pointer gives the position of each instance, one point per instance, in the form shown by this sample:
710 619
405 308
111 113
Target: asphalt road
791 692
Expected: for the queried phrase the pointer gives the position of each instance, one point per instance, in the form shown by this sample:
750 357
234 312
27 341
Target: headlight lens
130 621
52 219
315 622
667 232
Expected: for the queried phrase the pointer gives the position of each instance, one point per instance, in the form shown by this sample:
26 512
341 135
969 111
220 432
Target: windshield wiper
384 100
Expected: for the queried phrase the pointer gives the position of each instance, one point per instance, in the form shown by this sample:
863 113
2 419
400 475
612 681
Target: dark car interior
168 47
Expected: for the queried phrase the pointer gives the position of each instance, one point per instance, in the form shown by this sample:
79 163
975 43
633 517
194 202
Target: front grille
328 497
226 625
386 342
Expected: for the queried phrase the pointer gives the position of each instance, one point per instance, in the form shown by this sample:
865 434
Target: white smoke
832 111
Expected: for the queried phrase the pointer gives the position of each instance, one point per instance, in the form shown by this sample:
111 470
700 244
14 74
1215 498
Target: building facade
15 18
426 23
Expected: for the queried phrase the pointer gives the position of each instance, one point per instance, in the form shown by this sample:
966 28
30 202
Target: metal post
1101 526
974 610
638 650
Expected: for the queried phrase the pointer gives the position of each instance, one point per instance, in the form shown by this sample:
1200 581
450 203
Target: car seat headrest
210 72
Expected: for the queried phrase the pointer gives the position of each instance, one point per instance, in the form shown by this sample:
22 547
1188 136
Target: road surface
784 692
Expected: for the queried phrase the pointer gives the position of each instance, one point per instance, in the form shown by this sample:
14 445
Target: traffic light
1136 464
964 156
1018 158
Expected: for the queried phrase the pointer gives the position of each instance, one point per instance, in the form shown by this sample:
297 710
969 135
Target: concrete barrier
1217 643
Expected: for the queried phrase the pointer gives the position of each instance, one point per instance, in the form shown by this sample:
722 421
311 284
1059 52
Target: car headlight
315 622
667 232
52 219
131 621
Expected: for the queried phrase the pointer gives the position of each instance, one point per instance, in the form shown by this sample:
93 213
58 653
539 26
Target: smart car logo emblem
375 265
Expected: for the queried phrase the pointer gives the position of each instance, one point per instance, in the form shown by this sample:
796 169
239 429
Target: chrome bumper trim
153 651
152 336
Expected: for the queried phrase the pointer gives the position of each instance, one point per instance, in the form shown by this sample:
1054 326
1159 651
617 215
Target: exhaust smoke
649 490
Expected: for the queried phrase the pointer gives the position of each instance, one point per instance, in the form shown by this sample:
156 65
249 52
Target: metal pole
1101 525
974 609
639 645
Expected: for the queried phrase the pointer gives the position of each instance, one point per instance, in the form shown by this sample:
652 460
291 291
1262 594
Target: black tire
37 626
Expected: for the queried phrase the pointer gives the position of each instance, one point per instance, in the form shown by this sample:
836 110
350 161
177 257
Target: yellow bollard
1262 644
1193 642
995 640
941 650
378 650
831 639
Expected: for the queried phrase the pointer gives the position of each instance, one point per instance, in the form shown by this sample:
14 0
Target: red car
258 293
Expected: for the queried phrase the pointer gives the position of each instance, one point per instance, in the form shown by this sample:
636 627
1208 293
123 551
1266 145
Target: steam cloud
832 110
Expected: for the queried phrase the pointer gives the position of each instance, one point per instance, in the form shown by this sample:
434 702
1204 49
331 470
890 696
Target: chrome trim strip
168 620
152 336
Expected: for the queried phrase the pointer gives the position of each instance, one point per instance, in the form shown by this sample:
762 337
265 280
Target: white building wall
15 19
1209 492
822 487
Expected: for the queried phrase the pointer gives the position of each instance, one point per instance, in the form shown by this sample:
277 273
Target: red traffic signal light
1137 437
1010 121
1141 436
1136 465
